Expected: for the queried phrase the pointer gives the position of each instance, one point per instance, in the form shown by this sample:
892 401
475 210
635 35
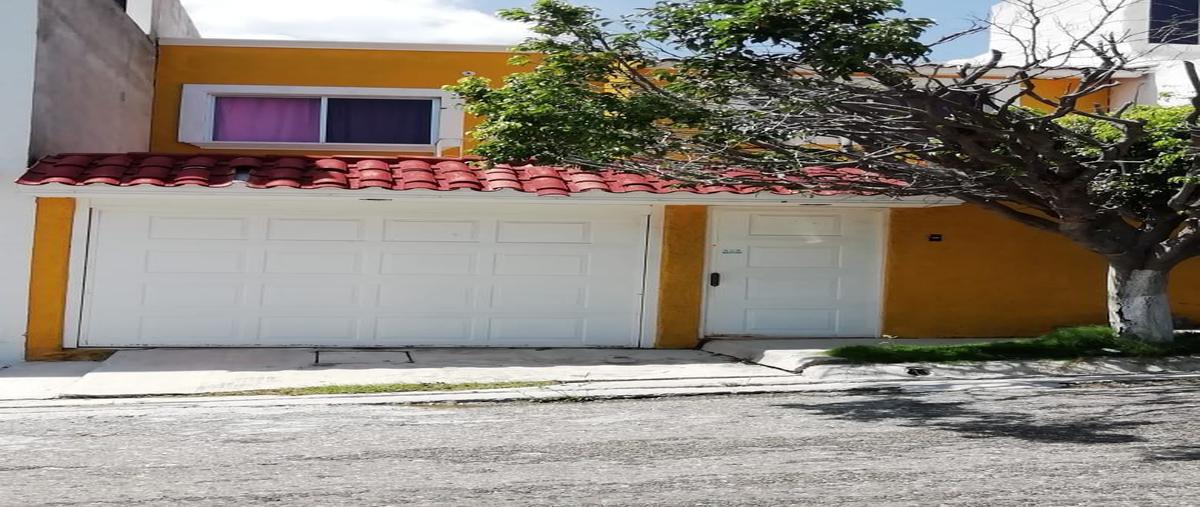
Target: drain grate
331 357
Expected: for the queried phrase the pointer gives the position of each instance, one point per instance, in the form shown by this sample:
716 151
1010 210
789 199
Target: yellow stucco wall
1054 88
680 292
179 65
990 276
48 277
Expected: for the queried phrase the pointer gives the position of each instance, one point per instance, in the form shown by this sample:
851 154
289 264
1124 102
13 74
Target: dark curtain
379 121
1175 21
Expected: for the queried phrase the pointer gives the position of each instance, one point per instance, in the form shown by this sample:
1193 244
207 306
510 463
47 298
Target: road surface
1078 446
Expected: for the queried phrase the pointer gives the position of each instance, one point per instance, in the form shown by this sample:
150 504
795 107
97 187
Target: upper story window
1175 21
265 117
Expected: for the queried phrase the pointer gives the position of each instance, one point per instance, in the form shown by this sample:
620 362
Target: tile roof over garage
390 173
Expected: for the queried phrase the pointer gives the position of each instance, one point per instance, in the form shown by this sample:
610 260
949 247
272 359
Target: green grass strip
1063 344
384 388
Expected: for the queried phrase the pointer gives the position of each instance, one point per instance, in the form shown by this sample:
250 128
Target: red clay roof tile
393 173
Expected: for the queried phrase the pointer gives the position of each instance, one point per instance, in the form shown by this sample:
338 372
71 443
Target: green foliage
1063 344
581 101
1157 160
832 37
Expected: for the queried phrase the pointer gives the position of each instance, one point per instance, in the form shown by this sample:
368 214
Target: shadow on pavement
961 417
1174 454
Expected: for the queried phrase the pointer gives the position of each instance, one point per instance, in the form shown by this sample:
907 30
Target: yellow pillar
48 278
681 286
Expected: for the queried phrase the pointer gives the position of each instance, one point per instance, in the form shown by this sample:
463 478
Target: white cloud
430 21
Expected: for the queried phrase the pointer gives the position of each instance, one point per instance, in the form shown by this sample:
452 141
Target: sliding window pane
379 121
267 119
1175 21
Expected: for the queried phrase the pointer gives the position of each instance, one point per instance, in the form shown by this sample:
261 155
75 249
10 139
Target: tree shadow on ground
1191 453
961 418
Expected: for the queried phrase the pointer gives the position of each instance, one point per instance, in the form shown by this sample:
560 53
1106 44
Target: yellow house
310 194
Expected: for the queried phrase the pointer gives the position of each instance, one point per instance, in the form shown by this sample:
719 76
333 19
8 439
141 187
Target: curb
592 391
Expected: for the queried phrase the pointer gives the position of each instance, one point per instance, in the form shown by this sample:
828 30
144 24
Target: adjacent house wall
1063 21
991 276
95 79
18 38
172 20
1053 88
79 77
162 18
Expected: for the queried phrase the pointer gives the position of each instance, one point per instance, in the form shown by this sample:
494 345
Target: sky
471 21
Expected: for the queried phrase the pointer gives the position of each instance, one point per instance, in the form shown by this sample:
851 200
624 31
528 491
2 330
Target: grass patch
384 388
1068 343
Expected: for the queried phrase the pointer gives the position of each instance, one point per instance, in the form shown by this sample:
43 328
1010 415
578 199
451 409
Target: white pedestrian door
781 273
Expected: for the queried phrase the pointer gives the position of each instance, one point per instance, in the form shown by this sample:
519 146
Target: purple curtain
379 121
267 119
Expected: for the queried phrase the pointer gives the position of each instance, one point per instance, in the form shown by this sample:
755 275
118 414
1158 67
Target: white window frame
198 103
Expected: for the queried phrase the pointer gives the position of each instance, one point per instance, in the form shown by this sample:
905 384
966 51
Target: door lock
714 279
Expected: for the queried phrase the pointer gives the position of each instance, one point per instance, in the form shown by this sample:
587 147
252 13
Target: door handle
714 279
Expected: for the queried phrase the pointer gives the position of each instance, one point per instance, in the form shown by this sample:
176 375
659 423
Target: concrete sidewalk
786 366
41 381
156 372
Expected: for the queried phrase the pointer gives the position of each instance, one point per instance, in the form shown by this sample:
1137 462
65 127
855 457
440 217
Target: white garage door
374 274
787 273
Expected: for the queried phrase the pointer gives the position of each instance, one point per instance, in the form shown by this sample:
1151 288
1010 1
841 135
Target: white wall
18 37
1057 24
1063 21
161 18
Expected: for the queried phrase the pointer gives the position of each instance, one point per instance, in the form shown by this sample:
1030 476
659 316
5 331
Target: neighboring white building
1158 35
78 76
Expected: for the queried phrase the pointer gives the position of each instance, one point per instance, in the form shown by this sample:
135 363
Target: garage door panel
511 231
287 295
313 262
428 295
309 229
223 228
189 294
432 278
204 327
301 330
429 263
415 231
763 224
806 320
794 257
542 264
532 330
768 288
208 261
424 330
532 296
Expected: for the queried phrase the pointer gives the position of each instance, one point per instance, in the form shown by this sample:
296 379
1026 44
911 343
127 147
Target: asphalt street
1124 445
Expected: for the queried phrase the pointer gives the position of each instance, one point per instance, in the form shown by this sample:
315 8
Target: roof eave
239 191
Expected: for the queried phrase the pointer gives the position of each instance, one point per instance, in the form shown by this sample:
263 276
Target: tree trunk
1137 304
